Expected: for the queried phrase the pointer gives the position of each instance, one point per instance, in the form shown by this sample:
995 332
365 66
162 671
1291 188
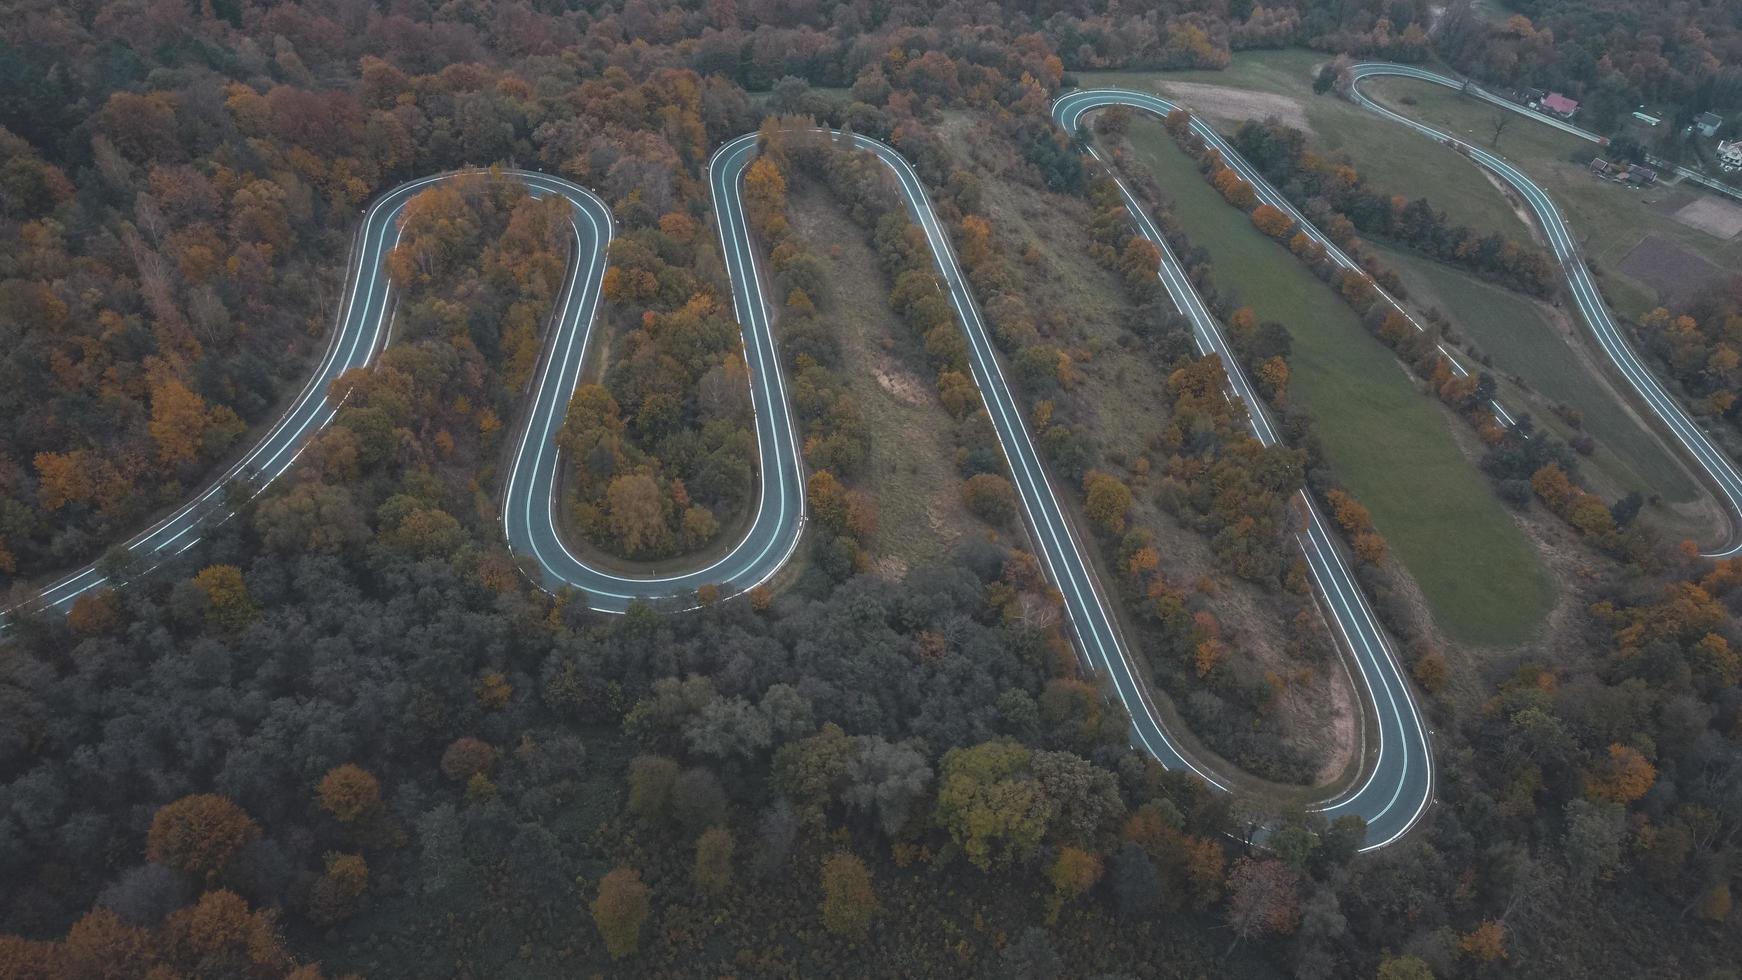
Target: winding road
1718 467
1398 782
1395 786
364 321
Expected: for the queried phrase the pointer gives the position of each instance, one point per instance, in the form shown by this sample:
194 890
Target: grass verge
1392 160
1526 345
1385 441
910 468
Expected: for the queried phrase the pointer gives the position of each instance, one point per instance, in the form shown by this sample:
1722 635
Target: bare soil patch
1518 207
1715 217
1676 272
1221 103
900 382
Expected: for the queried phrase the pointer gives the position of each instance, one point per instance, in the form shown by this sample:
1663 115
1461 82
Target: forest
346 735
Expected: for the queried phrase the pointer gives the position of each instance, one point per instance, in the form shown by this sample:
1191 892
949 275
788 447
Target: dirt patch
889 568
1677 273
1518 207
1345 729
1715 217
900 382
1238 105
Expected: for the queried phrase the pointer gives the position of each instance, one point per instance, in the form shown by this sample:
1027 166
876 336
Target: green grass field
1524 343
1389 158
1608 220
1387 442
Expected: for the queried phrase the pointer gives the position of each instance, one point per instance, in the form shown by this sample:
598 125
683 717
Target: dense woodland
344 735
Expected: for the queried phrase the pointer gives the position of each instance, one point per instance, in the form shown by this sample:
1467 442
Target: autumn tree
219 935
95 613
1404 967
1263 898
1486 943
958 393
828 500
199 835
337 892
1272 221
849 902
230 606
1106 501
637 513
493 690
990 497
177 421
1623 777
102 945
350 793
1715 903
765 195
467 757
1073 873
990 804
619 910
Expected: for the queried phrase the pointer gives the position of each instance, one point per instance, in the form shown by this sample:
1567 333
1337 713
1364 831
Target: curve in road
1372 68
1718 467
363 323
1398 784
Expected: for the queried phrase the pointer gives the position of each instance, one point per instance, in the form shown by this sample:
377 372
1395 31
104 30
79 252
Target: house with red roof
1559 105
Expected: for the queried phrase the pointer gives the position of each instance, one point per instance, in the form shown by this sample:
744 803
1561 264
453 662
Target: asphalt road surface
1687 433
1374 68
1396 785
362 330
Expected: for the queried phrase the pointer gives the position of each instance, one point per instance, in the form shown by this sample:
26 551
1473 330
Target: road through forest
1395 786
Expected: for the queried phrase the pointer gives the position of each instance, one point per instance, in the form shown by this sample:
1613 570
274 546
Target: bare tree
1501 118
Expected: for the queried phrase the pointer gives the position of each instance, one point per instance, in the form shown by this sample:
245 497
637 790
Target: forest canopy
345 735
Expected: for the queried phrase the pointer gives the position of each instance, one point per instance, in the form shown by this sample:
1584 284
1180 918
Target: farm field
1384 440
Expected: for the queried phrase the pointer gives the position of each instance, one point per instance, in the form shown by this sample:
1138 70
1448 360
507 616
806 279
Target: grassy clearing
1392 160
1085 306
1120 398
1608 220
1385 441
1528 347
910 468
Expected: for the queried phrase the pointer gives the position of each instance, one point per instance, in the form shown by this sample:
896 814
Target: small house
1647 118
1730 155
1707 124
1601 167
1639 176
1557 104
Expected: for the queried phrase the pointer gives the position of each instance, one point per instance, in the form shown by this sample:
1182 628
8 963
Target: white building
1730 155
